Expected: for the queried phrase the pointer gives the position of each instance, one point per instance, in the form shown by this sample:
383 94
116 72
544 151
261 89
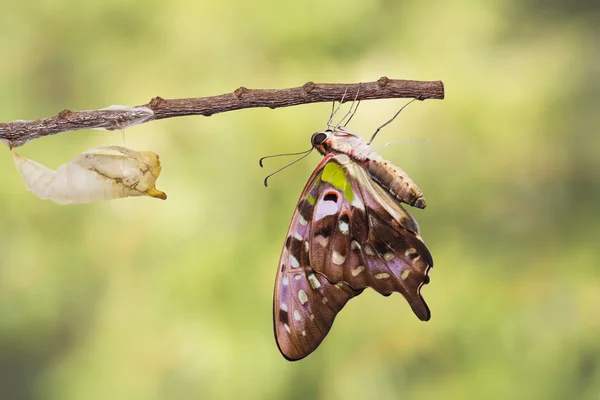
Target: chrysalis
98 174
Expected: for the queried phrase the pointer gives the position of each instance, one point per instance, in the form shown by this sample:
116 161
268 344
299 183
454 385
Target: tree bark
19 132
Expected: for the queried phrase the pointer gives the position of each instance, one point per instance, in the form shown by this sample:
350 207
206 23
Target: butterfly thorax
391 178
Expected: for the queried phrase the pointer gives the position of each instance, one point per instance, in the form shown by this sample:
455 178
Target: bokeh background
143 299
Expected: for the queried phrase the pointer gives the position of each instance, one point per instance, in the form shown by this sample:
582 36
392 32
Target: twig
17 133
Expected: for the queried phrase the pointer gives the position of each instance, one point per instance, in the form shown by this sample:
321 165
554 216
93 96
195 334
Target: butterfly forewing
305 301
307 306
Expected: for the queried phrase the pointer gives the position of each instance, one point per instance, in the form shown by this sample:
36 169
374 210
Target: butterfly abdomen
396 181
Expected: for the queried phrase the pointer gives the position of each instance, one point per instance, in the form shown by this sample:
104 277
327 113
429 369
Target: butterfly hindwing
371 241
394 246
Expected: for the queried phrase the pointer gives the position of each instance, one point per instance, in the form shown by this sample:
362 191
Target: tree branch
17 133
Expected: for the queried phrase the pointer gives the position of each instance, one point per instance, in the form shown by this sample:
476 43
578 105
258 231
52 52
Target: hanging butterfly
349 232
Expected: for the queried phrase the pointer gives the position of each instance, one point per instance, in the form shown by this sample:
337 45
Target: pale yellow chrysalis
98 174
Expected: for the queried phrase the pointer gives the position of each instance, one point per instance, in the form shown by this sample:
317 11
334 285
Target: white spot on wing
344 227
285 281
337 258
382 275
297 315
303 333
283 306
358 270
297 277
287 328
314 282
302 297
301 220
369 250
294 262
355 245
405 274
325 208
410 252
298 236
388 256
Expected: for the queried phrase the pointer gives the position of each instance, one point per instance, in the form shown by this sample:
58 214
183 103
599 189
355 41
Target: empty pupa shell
98 174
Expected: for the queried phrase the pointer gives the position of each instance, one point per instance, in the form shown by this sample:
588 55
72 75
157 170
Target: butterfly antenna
391 120
401 141
350 113
337 109
260 162
290 164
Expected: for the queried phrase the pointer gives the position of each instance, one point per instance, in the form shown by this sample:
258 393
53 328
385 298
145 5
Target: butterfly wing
305 303
347 233
362 236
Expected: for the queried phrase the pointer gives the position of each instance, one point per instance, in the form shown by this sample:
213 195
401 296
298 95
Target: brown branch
17 133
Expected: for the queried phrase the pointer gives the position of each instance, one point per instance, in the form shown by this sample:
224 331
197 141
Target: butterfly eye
319 138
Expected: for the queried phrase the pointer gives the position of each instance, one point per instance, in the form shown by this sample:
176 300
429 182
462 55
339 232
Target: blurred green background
143 299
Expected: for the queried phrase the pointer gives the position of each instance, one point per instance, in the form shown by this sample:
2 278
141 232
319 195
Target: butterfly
349 231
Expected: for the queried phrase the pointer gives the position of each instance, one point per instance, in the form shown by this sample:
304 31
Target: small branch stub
19 132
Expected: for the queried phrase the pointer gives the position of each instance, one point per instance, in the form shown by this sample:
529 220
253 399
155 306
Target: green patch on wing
334 174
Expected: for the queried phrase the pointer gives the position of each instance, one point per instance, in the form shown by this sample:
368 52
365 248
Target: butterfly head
338 141
321 141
